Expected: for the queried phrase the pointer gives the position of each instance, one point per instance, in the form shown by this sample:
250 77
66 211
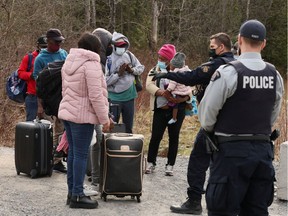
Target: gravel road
21 195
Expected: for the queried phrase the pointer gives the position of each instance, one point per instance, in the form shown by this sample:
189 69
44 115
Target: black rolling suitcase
34 148
121 172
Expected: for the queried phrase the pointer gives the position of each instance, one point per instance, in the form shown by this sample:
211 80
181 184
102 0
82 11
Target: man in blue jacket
52 53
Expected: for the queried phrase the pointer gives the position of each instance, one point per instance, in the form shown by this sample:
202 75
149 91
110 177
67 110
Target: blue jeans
31 106
79 137
126 108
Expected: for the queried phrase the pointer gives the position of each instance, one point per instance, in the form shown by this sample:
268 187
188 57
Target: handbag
137 80
138 83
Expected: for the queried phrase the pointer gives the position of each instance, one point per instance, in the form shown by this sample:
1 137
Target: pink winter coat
177 88
84 89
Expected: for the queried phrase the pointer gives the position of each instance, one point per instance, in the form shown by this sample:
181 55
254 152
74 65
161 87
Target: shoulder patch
205 68
208 63
215 76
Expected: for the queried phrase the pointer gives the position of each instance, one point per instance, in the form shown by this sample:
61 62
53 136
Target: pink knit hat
167 51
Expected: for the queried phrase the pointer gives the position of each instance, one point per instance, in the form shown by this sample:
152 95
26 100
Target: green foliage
276 50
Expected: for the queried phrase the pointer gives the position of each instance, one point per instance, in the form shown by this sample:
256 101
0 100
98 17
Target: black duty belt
222 139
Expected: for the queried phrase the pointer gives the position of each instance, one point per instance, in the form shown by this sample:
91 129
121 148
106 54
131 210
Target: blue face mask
161 65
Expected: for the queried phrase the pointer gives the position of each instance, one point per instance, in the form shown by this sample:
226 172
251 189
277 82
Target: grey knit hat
178 60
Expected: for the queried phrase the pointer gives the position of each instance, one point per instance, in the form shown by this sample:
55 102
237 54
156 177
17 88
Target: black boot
68 198
60 167
188 207
83 202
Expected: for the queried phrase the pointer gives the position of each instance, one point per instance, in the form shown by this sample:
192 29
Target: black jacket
201 75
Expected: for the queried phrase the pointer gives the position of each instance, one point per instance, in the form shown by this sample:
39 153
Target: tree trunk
155 15
179 24
223 25
247 9
112 15
93 18
87 12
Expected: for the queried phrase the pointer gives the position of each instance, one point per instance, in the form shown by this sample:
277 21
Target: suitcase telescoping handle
123 134
43 121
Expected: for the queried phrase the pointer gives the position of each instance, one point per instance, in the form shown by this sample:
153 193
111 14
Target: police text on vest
258 82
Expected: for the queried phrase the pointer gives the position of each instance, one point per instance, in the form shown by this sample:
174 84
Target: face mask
161 65
212 53
120 50
109 50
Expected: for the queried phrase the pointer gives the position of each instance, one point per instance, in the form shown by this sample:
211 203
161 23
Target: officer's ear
221 48
263 44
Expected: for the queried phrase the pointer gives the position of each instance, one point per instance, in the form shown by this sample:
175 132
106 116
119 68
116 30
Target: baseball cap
253 29
55 34
42 41
121 42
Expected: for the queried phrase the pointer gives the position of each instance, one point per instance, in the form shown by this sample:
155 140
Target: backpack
16 88
138 80
49 87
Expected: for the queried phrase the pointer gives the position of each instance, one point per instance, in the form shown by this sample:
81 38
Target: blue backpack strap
30 57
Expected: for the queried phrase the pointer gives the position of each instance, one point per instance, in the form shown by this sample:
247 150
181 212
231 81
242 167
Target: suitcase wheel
18 172
138 199
104 196
33 173
50 172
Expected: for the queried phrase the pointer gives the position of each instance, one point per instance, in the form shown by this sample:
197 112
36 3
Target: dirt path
21 195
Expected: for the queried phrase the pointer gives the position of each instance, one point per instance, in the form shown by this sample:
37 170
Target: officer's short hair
251 42
222 38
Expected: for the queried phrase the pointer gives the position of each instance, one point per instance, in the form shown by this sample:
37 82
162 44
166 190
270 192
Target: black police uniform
199 158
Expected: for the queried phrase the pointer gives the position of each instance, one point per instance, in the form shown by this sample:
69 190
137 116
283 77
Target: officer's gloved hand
158 76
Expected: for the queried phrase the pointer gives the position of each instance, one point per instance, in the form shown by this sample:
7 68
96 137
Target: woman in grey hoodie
121 68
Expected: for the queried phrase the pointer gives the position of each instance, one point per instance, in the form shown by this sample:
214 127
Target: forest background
187 24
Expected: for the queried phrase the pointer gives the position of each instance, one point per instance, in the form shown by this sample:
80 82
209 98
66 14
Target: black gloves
158 76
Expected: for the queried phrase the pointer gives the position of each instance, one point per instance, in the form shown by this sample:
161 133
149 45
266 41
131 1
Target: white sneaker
169 170
172 121
90 190
150 168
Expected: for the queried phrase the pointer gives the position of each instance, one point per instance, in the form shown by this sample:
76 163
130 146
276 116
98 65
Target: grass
190 127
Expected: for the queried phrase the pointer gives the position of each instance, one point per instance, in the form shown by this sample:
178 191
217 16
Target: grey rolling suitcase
121 169
34 149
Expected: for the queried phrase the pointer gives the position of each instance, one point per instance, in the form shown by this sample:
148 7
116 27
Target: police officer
220 53
240 106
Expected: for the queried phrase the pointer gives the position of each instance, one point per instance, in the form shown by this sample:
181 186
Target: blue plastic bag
194 110
16 88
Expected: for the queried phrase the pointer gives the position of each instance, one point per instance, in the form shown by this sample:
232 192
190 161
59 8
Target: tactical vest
249 110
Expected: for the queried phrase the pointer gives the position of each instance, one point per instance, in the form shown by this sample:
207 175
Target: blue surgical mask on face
161 65
120 50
